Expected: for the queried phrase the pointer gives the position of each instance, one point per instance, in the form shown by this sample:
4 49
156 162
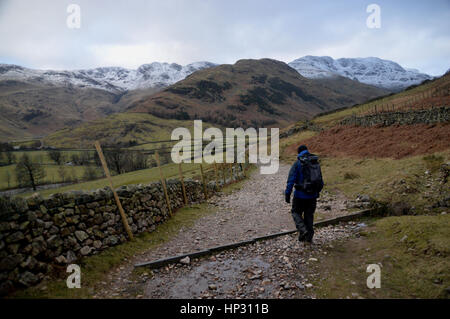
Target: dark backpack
312 175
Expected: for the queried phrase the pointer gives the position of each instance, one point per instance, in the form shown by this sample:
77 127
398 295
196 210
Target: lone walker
305 176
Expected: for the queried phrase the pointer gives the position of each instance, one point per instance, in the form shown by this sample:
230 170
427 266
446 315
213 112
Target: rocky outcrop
36 233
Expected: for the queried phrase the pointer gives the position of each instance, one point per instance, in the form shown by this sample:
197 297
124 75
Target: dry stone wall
428 116
36 233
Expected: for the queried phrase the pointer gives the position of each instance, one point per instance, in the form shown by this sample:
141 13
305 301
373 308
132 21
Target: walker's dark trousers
303 214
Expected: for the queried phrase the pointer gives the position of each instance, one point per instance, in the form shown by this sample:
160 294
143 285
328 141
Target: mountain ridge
371 70
112 79
249 93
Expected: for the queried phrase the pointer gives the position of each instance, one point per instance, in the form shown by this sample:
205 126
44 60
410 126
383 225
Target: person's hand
287 198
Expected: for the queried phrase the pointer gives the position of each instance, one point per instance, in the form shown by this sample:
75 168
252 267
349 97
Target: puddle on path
225 275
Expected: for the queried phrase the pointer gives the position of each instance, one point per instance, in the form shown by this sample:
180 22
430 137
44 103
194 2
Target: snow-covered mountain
374 71
113 79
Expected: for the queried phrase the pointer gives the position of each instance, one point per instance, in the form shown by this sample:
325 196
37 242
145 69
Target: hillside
32 108
412 122
253 93
394 149
249 93
120 128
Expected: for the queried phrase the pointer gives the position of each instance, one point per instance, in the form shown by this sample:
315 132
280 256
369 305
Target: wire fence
91 158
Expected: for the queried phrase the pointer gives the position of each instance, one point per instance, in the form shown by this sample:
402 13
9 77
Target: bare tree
122 160
10 158
56 156
164 154
90 173
116 159
75 159
29 173
137 160
62 172
85 157
8 178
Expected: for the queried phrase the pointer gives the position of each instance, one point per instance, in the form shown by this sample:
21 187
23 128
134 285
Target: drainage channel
175 259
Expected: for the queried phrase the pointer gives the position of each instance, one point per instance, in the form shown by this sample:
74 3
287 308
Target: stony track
266 269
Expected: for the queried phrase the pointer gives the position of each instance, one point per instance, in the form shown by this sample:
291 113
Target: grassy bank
411 250
414 180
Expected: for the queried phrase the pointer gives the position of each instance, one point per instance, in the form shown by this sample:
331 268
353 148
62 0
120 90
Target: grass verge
411 250
414 180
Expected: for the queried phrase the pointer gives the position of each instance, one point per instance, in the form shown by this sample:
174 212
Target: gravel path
277 268
257 209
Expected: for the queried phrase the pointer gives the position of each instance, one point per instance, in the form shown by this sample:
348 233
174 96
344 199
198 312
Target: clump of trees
7 157
82 158
29 174
123 161
56 156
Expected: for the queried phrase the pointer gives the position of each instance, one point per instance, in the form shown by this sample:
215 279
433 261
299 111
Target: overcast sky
133 32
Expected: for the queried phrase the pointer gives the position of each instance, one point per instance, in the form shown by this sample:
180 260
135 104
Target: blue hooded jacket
296 177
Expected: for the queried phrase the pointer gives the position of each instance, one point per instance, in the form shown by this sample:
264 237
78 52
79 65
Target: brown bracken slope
377 142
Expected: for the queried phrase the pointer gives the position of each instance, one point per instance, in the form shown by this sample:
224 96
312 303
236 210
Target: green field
75 173
137 177
52 175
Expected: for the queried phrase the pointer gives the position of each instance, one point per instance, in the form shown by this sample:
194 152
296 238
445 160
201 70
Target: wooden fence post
223 174
116 197
215 175
180 170
163 182
203 182
231 172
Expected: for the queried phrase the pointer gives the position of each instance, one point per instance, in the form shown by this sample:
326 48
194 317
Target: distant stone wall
300 127
36 233
428 116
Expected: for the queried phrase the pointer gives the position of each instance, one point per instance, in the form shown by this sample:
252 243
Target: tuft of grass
433 162
350 175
